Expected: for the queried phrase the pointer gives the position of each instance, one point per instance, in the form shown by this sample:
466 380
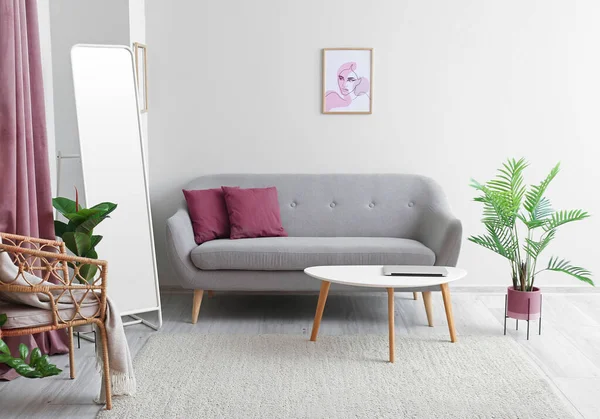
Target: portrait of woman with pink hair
347 85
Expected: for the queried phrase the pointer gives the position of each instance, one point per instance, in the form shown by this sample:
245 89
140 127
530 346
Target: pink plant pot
524 305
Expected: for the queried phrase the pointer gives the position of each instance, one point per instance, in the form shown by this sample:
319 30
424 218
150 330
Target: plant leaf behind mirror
507 200
78 233
38 367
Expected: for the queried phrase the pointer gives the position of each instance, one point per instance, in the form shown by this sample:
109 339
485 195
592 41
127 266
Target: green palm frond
499 239
563 217
497 206
508 187
509 181
503 195
535 248
562 265
531 224
536 192
543 209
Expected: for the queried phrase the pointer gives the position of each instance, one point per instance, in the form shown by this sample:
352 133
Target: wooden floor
568 351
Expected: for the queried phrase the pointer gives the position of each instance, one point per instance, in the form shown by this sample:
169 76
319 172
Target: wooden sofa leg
196 307
415 295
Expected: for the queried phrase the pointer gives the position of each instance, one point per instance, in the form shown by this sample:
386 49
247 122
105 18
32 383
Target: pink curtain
25 194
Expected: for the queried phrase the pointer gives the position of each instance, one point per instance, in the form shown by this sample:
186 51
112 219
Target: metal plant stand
86 337
528 314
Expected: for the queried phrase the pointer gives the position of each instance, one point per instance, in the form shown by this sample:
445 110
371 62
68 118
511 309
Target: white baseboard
480 289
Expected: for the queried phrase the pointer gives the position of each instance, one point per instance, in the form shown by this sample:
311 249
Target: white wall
137 33
46 53
458 87
73 22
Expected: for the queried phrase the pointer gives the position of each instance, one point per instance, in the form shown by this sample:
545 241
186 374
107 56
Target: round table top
372 276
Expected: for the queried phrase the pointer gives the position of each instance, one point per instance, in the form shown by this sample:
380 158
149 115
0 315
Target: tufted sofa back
345 205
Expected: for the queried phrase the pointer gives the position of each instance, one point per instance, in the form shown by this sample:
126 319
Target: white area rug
286 376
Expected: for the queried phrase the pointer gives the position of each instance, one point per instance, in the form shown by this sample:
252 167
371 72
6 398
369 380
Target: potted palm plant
520 223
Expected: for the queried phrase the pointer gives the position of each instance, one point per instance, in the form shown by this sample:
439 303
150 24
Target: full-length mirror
114 170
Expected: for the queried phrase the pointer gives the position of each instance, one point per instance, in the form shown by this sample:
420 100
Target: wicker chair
86 301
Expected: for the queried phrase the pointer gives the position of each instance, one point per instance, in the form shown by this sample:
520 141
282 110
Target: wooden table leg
320 307
448 307
428 310
391 321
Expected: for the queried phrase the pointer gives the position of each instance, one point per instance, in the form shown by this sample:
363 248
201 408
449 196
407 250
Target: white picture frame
347 87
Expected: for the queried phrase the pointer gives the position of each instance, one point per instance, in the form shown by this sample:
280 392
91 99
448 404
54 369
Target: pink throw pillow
208 214
253 212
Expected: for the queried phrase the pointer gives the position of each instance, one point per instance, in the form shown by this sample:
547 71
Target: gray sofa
331 219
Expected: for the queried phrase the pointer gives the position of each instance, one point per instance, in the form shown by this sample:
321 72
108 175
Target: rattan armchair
85 300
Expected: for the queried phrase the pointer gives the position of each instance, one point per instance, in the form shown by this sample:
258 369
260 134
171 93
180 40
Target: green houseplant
78 233
38 366
506 200
520 223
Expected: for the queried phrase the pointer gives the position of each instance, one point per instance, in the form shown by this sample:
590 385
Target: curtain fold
25 191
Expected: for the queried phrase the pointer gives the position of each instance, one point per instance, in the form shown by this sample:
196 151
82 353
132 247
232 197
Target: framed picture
140 53
347 80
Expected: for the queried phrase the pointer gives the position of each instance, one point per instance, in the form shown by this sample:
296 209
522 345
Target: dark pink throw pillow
253 212
208 214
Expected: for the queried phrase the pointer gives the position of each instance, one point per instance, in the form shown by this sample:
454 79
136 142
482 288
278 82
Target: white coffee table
372 277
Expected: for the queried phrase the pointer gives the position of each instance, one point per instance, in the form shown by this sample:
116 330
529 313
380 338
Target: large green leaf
23 352
78 243
88 272
46 368
82 215
36 354
4 348
23 368
64 205
105 207
563 217
92 254
60 228
42 368
3 319
95 240
561 265
88 225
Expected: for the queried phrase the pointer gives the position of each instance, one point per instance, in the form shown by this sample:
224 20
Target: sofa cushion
208 213
297 253
22 316
253 212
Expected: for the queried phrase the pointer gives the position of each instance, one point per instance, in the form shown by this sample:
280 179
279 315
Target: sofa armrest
441 231
180 242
